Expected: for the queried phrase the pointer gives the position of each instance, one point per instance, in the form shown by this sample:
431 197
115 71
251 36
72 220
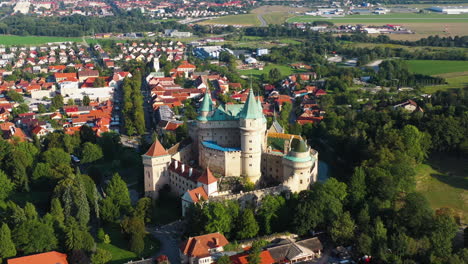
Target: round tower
297 166
252 131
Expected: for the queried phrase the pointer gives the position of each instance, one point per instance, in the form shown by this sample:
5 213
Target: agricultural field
454 72
33 40
244 20
434 67
443 180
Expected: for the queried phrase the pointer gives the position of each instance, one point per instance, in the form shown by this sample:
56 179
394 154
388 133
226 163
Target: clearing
242 20
33 40
443 180
433 67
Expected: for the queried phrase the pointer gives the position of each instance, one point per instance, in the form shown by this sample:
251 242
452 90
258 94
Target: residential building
200 249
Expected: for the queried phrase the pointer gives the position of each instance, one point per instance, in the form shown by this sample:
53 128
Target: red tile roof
199 246
52 257
156 150
207 177
198 194
242 258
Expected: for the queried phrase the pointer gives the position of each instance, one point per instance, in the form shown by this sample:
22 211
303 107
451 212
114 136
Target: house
200 249
288 251
409 105
243 258
52 257
64 76
83 75
4 114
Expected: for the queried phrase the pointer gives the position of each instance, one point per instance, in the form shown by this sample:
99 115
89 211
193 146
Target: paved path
262 20
169 237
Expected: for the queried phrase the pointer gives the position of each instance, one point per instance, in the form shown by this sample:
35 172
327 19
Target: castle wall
272 166
224 133
184 155
179 185
223 162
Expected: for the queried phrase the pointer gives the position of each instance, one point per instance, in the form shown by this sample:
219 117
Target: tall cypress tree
7 247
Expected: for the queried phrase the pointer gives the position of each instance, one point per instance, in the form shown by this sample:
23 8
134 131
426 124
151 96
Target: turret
297 166
206 107
253 128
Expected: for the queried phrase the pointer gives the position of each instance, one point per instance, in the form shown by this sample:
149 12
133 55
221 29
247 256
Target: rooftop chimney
190 172
216 241
183 167
176 164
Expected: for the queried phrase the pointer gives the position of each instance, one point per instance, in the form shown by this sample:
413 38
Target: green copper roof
251 108
207 104
298 145
226 113
295 159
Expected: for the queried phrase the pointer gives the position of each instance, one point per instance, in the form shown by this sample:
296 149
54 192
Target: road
169 237
262 20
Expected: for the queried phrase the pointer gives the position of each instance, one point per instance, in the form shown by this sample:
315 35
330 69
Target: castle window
250 141
250 148
300 181
250 165
250 156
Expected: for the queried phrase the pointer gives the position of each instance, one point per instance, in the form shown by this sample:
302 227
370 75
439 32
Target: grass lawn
32 40
444 182
433 67
455 80
277 18
244 19
284 69
119 246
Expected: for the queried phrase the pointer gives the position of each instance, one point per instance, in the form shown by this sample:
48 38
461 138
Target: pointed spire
156 150
207 103
251 108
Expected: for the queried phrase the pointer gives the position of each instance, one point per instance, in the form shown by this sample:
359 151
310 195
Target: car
75 158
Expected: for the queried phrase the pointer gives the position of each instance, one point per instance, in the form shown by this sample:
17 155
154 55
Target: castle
230 140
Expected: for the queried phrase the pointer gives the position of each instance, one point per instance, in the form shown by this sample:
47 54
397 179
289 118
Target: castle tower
206 107
209 182
155 161
252 130
297 166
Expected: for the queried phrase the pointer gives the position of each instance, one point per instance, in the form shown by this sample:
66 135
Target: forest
47 203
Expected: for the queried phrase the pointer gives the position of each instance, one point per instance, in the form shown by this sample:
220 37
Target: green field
433 67
444 182
388 18
284 69
276 18
33 40
245 19
454 81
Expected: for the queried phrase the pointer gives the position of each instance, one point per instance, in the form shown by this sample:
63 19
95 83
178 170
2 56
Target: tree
91 152
71 102
248 226
7 247
72 194
224 259
15 96
274 75
55 157
218 218
101 256
34 236
41 108
117 191
268 212
7 186
56 210
57 101
86 100
364 244
357 187
342 230
443 232
99 82
77 238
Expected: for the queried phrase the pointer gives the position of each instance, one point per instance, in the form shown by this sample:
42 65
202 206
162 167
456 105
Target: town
143 132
